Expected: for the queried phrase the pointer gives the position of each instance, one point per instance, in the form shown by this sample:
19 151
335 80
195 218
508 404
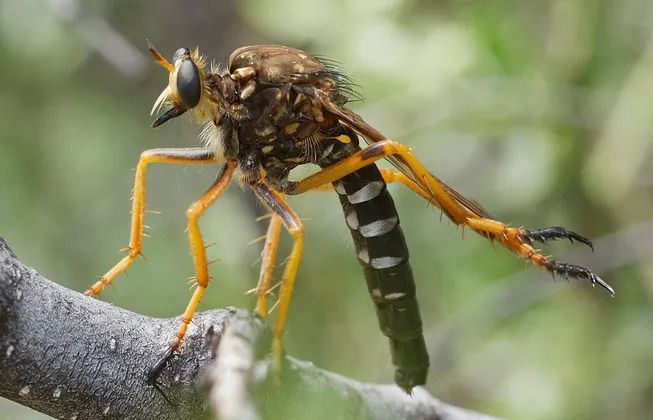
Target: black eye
180 52
188 83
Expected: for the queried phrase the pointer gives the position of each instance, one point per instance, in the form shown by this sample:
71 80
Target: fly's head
188 87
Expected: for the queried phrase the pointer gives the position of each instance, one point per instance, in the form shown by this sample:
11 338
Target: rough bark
70 356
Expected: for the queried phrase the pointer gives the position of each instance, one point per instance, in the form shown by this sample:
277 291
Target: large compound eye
188 83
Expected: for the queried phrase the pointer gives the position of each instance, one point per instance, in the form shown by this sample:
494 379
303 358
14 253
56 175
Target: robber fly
275 108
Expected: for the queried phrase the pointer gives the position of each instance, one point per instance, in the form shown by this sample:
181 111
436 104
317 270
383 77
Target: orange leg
275 202
268 255
389 176
197 247
455 206
176 156
198 251
437 193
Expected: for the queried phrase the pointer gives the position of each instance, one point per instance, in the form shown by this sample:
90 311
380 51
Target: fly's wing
471 205
372 135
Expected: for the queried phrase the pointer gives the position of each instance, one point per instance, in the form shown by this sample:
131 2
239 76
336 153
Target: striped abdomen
374 224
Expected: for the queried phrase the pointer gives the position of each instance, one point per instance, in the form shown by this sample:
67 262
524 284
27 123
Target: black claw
155 371
569 270
553 233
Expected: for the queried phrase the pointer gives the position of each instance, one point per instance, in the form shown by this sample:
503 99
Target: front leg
182 156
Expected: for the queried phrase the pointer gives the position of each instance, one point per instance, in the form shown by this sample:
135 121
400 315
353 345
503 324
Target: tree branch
70 356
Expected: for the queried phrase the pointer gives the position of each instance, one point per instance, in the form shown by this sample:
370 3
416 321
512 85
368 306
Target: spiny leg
182 156
198 251
268 255
540 235
275 202
459 209
518 241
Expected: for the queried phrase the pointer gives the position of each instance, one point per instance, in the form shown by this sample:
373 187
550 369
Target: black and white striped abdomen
381 249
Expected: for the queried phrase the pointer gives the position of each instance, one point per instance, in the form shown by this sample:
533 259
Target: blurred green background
542 111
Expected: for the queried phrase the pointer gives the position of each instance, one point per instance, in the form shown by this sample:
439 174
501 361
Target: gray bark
70 356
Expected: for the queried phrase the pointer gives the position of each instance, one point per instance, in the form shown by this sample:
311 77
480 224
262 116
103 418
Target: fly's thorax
273 64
